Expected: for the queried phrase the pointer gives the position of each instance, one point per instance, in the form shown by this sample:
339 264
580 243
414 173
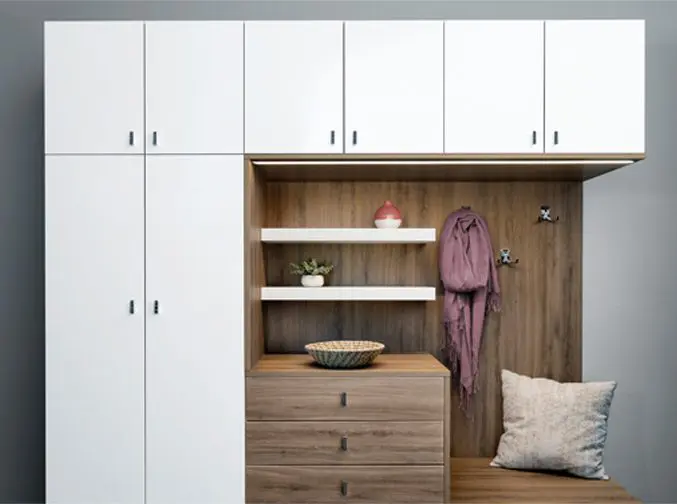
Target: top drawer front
370 398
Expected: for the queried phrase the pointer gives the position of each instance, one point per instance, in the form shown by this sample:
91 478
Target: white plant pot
312 280
388 223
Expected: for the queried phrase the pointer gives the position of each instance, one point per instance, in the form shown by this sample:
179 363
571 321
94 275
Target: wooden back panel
538 331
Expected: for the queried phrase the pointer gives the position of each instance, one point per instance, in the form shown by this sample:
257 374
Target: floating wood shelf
452 167
345 293
348 235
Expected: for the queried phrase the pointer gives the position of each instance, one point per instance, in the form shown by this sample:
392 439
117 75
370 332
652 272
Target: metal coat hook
505 259
544 215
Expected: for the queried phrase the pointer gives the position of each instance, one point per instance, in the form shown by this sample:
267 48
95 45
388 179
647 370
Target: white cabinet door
194 87
94 323
594 86
394 87
195 332
294 82
94 87
493 86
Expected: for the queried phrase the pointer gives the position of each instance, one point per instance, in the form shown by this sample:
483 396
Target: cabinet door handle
156 307
131 138
344 488
131 306
354 137
332 137
154 137
556 137
533 137
344 399
344 443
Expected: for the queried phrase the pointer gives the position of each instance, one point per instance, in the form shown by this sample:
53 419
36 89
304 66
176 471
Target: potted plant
311 272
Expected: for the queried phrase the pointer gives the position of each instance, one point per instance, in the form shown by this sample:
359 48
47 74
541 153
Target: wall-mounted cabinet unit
294 83
168 250
493 101
394 86
594 86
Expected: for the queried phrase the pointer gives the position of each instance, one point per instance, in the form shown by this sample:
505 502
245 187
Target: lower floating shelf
348 293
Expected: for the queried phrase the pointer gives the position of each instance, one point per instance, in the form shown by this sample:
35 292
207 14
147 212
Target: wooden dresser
379 434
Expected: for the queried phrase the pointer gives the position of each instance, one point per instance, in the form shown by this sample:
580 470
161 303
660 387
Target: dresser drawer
359 398
341 484
308 443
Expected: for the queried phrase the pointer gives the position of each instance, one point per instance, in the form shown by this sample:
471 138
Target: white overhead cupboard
129 87
454 87
147 128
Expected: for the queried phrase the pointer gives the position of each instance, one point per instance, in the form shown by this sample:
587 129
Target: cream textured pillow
549 425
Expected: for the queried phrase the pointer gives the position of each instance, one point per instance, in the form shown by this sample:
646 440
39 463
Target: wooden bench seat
472 480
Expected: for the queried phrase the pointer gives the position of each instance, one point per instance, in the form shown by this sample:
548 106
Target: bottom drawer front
335 484
359 443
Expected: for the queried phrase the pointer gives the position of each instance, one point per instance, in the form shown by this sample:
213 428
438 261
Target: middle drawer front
358 398
308 443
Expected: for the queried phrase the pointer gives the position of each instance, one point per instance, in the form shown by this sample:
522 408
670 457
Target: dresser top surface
384 365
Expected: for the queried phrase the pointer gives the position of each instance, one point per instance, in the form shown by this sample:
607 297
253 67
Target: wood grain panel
376 398
538 331
473 481
457 167
384 365
254 266
345 443
364 484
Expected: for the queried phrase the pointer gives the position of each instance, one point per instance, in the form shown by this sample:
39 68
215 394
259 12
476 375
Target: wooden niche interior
538 331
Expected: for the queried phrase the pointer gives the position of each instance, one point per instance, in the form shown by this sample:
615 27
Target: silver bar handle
556 137
131 138
154 137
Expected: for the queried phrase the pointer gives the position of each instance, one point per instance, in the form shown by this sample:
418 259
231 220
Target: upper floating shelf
451 167
343 293
348 235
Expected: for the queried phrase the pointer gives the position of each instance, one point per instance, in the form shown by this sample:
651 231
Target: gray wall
630 229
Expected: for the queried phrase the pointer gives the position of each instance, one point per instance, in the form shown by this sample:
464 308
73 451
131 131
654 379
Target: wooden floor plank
474 481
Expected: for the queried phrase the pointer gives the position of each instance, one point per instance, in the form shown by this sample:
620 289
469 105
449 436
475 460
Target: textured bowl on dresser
344 354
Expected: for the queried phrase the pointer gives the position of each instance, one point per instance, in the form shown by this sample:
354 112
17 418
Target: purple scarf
468 273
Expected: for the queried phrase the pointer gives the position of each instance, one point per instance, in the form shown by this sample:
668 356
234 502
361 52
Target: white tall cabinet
144 263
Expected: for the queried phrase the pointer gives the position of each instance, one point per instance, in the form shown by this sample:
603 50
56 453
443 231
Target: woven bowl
344 354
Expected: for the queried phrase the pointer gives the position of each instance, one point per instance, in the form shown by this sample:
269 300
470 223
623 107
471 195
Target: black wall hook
544 215
505 259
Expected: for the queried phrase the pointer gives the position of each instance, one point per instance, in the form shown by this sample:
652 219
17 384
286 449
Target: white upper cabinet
493 87
194 87
594 86
294 83
94 87
394 87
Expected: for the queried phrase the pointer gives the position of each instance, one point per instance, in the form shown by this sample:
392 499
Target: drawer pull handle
344 399
344 443
344 488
